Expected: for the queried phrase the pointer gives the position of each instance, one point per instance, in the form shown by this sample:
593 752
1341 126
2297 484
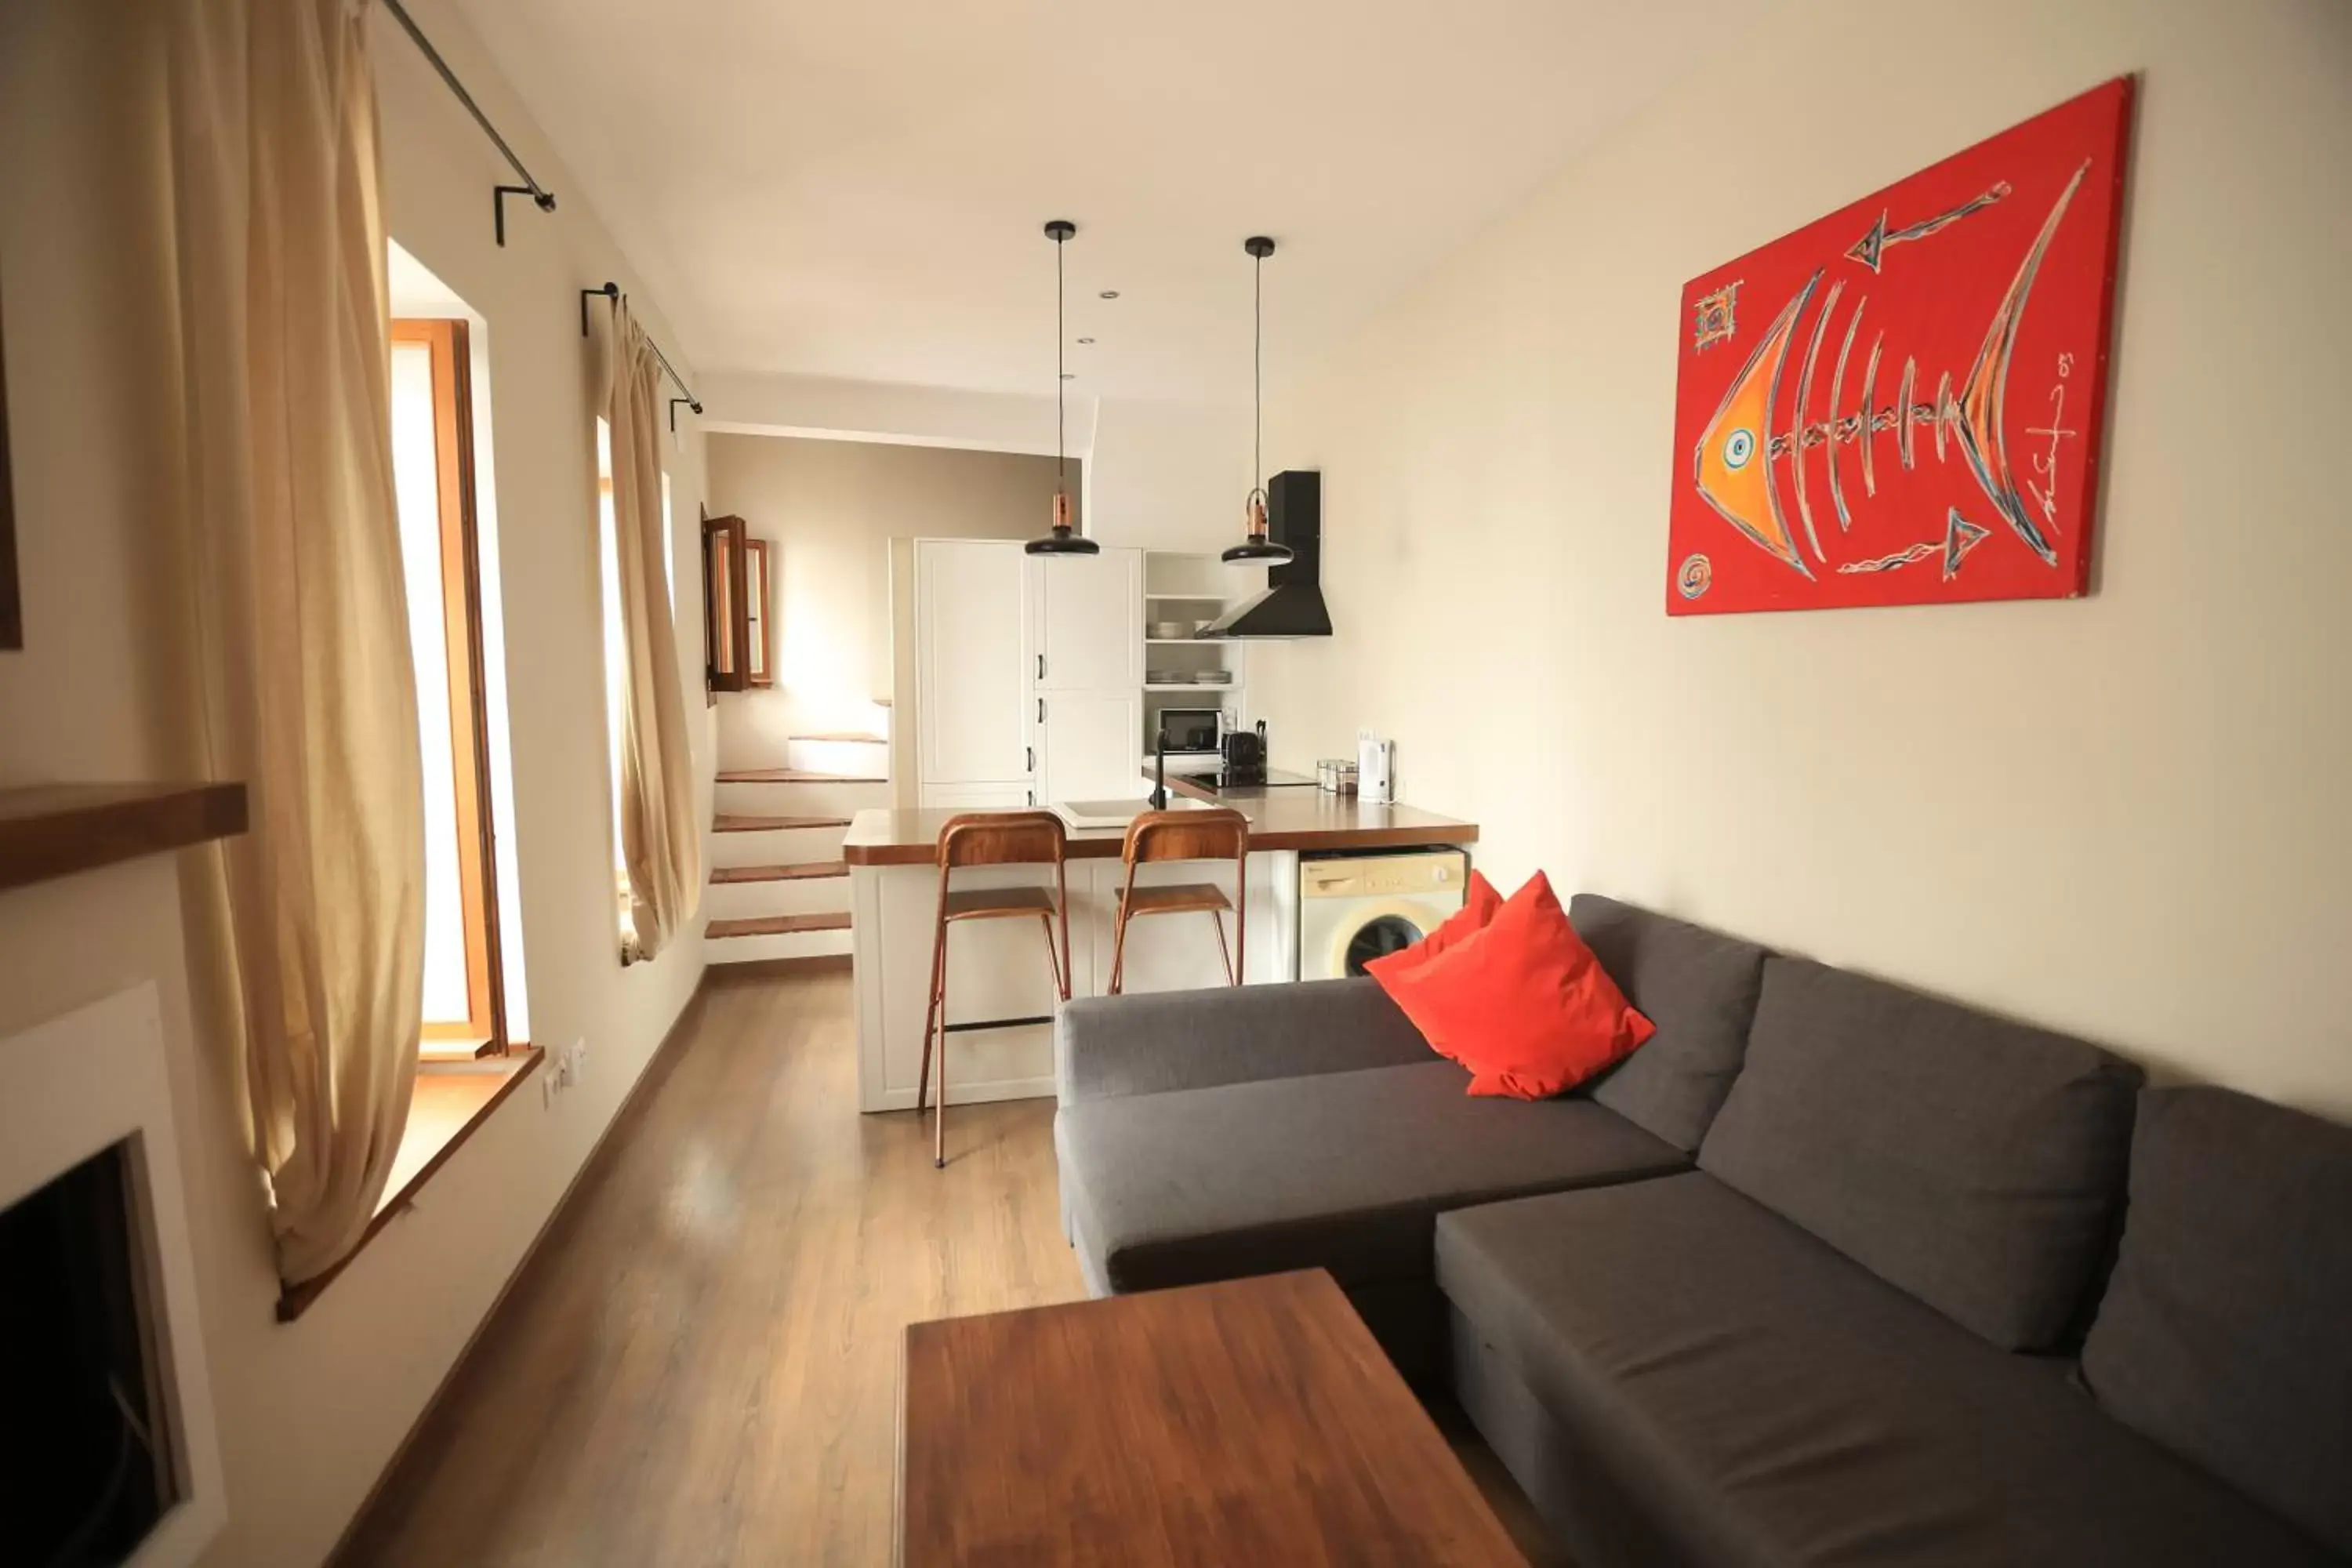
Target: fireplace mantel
55 830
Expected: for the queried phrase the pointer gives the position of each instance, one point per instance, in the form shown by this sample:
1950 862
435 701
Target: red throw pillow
1479 904
1523 1004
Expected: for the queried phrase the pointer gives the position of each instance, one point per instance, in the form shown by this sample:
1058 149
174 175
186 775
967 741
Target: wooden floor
700 1365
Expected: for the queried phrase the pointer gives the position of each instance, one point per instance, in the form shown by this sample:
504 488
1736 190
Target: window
432 446
616 658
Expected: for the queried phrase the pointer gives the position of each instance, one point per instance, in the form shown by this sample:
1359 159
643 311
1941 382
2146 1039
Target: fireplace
107 1452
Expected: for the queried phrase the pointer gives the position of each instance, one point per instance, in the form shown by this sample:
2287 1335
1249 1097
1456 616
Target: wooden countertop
1279 819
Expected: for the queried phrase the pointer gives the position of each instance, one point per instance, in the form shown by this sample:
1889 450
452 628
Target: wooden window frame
11 604
724 618
483 1032
759 657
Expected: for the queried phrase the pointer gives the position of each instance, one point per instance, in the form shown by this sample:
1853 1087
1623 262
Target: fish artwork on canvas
1844 480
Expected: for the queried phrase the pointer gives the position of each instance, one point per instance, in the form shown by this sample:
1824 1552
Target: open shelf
1185 586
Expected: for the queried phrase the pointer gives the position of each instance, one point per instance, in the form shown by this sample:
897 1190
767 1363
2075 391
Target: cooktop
1248 778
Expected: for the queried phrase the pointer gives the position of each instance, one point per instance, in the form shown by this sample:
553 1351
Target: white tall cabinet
1028 673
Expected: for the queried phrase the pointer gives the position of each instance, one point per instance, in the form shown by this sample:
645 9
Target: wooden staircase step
729 824
794 775
854 735
777 925
799 871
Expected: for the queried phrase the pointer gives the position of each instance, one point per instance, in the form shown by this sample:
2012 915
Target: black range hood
1292 604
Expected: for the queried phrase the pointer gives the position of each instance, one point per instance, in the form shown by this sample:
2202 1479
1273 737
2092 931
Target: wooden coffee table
1250 1422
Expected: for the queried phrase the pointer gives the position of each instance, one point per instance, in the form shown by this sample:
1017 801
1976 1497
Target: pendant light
1062 541
1256 546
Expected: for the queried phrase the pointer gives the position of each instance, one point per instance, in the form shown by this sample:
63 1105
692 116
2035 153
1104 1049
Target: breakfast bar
998 969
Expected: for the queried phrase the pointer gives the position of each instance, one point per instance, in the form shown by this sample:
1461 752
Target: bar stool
992 838
1207 835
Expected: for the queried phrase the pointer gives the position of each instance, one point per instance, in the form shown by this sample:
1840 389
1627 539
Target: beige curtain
307 693
661 842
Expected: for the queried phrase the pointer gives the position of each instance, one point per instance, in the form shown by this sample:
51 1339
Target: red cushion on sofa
1479 904
1522 1004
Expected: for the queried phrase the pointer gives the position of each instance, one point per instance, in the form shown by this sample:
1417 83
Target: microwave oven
1192 730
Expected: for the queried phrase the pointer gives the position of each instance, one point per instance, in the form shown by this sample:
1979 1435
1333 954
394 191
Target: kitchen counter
998 969
1281 819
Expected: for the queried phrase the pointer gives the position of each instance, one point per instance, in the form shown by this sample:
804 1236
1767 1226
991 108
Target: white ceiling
856 188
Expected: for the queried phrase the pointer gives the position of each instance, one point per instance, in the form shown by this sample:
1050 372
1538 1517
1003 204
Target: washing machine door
1378 928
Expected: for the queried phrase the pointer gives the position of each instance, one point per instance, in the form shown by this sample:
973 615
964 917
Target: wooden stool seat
1210 835
995 903
1176 898
992 838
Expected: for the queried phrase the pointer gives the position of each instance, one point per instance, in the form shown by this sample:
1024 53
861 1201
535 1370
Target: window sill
451 1100
455 1048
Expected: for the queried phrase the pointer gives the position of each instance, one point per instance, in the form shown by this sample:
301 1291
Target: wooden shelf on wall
49 831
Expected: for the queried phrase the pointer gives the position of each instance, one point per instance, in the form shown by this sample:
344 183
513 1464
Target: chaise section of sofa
1676 1374
1809 1350
1206 1135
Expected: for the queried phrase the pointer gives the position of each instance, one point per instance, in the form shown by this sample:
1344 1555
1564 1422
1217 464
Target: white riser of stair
862 759
772 846
800 799
792 945
741 900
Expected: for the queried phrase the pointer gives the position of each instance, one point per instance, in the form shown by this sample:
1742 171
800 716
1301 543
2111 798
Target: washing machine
1356 907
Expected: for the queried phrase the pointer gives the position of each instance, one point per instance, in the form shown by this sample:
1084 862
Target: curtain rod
541 198
613 292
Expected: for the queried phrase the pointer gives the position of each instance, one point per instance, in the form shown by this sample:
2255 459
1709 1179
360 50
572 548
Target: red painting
1901 404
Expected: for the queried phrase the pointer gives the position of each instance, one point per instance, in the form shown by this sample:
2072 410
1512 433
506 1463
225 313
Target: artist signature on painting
2045 463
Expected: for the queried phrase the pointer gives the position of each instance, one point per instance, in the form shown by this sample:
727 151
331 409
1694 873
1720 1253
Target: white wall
2123 815
750 403
1168 476
829 509
310 1412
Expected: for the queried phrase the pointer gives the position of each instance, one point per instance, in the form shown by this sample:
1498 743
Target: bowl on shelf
1168 677
1168 629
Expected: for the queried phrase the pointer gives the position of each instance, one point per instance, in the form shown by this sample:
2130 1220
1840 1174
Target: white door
971 689
1085 746
1089 621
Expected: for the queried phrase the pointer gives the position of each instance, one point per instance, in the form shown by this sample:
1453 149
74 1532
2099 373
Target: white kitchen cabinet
1029 674
1087 621
973 687
1010 796
1085 745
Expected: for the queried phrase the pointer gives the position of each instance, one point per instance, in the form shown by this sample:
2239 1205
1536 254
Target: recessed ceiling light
1086 339
1109 294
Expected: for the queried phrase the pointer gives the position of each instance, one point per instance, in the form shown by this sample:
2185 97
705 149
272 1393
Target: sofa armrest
1147 1044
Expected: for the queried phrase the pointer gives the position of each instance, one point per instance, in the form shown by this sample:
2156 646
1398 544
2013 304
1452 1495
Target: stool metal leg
1118 949
1224 955
1054 959
931 1017
940 1110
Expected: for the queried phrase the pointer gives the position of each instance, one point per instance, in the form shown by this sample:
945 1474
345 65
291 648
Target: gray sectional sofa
1827 1272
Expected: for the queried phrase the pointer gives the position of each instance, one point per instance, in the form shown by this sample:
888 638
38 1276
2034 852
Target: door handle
1031 754
1041 710
1040 667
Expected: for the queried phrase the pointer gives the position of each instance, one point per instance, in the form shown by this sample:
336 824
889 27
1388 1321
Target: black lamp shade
1063 540
1264 550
